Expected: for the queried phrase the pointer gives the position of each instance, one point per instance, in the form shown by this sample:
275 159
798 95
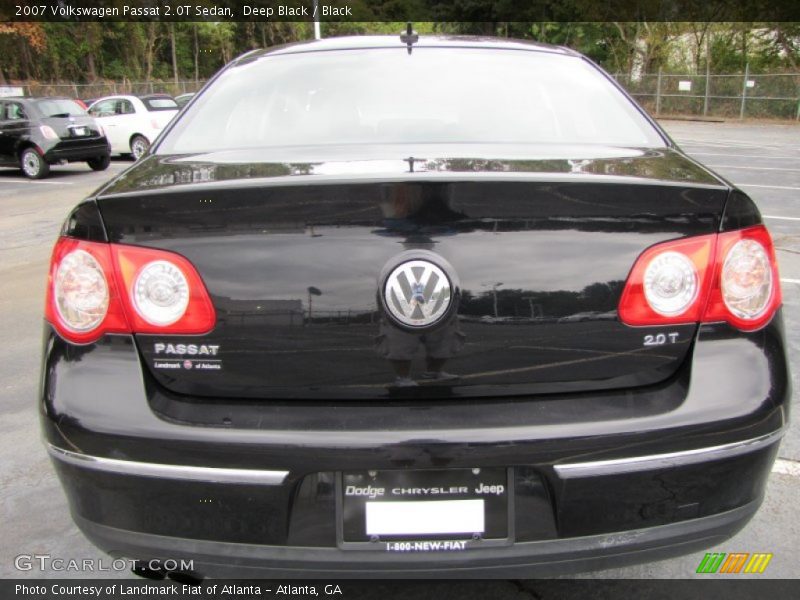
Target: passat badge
417 293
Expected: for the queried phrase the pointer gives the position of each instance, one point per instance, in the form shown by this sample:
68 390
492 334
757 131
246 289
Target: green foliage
84 52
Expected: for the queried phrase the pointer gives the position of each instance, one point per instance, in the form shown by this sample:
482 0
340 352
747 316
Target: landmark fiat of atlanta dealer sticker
198 357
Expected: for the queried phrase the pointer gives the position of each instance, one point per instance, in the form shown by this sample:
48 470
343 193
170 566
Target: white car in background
132 123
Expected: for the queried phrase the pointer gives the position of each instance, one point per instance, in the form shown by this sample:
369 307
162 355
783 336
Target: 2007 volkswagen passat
388 306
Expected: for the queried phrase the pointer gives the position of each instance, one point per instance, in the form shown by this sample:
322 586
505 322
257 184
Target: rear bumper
77 150
250 489
523 559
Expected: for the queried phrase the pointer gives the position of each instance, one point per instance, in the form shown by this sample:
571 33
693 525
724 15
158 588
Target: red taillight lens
729 277
83 300
96 288
746 291
669 283
165 292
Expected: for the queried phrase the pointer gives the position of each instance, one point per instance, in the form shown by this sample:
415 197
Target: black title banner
563 589
486 11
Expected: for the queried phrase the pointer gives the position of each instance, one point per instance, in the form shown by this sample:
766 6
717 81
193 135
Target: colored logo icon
734 562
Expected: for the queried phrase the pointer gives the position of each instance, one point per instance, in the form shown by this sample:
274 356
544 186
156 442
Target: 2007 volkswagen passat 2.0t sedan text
384 306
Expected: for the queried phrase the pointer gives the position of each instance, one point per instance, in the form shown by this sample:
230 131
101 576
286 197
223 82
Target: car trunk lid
294 255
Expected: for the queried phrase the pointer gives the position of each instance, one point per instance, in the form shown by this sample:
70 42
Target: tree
174 53
17 40
148 51
92 39
151 44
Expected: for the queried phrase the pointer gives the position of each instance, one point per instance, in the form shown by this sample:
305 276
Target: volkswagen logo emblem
417 292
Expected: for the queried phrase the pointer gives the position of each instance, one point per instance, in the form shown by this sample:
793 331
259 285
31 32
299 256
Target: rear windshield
160 104
59 107
386 96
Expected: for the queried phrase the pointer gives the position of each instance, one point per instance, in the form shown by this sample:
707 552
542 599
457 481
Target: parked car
183 99
131 122
38 132
254 356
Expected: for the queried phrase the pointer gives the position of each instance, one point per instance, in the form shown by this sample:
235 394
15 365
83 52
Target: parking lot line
728 144
753 168
785 280
786 467
40 182
781 218
721 146
732 155
773 187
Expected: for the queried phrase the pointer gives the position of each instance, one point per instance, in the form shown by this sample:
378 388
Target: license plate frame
80 131
498 508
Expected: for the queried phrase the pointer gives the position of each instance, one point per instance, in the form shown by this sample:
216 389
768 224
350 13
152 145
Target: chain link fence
90 91
740 95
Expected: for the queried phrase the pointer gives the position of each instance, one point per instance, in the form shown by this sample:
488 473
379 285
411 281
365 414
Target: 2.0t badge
417 289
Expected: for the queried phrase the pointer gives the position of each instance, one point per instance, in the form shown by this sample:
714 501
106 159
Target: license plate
443 509
79 131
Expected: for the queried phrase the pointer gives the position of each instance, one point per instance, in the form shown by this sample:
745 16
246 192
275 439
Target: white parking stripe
774 187
786 467
753 168
40 182
736 155
732 147
729 144
785 280
782 218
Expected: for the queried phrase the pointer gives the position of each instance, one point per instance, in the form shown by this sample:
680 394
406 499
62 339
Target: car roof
133 97
33 98
117 96
363 42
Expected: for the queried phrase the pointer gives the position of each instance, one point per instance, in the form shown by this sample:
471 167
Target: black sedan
413 307
38 132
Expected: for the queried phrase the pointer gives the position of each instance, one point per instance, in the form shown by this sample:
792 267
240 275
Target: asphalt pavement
763 159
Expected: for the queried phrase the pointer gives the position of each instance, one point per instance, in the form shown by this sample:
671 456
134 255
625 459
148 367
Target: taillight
96 288
83 300
746 291
160 293
48 132
80 291
164 292
730 276
669 283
